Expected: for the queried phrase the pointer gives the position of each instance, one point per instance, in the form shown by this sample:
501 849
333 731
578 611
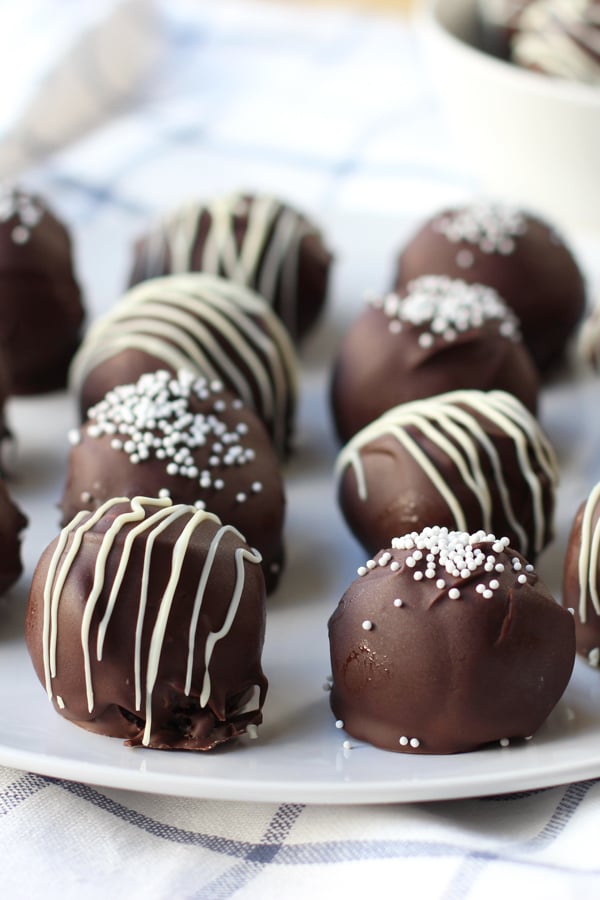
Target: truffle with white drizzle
185 438
208 325
560 38
513 251
581 576
146 621
255 240
438 334
465 460
477 652
42 312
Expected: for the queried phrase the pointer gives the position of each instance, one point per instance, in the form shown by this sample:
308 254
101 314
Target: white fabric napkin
70 840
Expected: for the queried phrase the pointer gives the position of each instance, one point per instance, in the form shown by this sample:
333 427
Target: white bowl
530 138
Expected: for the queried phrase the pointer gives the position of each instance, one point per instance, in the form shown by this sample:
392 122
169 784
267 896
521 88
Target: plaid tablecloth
122 108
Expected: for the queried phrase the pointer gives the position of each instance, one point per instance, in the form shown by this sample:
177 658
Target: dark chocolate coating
179 720
252 494
443 675
376 368
291 269
12 523
577 595
199 322
42 312
485 451
539 278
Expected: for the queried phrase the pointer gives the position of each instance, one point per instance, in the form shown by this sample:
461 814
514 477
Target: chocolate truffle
12 523
465 460
199 322
516 253
447 641
581 577
560 38
185 438
439 334
41 314
256 241
146 622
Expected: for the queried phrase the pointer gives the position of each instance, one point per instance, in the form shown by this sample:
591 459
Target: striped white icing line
479 435
269 251
288 232
154 524
241 555
158 634
51 598
58 571
136 513
497 406
589 553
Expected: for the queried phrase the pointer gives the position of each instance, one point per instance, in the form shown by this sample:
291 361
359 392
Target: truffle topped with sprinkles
515 252
42 312
447 641
436 335
185 438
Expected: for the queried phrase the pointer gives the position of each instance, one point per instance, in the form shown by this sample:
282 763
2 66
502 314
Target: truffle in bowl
528 137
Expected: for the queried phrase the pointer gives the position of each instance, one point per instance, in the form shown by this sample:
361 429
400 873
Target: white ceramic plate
299 755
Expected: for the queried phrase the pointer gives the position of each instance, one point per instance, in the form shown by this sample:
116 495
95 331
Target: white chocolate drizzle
209 326
149 517
450 422
267 257
589 556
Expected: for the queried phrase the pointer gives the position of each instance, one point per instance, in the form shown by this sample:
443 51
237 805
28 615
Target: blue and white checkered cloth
123 108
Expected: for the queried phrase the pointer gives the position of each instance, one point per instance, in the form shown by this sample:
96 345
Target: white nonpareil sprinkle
367 625
437 552
491 227
398 602
339 723
504 742
154 421
22 211
445 307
